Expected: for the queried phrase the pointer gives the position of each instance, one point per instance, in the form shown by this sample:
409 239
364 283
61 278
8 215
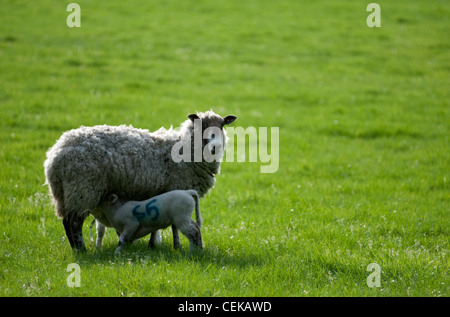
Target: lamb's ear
229 119
113 198
193 116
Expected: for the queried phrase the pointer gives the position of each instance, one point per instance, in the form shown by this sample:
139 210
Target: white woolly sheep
88 163
136 219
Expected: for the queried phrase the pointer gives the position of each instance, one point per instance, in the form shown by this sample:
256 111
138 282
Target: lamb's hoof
195 250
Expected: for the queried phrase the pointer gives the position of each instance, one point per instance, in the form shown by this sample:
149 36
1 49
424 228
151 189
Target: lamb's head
111 202
210 127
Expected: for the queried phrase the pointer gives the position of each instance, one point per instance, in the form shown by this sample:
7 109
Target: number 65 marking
149 210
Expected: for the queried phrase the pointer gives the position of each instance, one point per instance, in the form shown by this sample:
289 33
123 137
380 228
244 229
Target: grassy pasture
363 116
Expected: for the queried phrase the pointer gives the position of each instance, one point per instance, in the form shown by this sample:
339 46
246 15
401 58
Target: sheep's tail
198 215
56 188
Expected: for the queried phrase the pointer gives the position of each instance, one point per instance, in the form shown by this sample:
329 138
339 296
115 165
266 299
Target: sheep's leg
192 232
68 229
155 239
176 238
76 223
73 225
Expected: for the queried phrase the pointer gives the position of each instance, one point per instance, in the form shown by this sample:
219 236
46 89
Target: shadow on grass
164 253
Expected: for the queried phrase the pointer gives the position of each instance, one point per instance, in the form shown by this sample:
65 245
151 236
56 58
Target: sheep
88 163
135 219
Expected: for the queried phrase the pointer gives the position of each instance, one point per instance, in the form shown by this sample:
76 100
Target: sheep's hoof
81 249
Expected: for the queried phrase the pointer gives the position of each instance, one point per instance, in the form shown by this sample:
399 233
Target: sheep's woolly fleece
88 163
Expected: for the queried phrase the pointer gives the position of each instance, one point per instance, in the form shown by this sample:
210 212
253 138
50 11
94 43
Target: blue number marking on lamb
138 214
149 209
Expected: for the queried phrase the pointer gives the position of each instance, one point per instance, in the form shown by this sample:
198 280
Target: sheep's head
203 140
209 126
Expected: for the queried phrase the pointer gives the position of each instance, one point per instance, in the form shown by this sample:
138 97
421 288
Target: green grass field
364 160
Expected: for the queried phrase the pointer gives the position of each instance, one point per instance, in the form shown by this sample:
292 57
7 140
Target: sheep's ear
229 119
193 116
113 198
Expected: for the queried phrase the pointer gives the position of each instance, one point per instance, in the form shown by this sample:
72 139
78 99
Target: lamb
135 219
88 163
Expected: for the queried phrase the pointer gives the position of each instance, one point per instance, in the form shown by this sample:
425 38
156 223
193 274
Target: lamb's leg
127 236
122 243
155 239
176 238
192 232
100 234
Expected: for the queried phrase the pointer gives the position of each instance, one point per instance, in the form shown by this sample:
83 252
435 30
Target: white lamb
136 219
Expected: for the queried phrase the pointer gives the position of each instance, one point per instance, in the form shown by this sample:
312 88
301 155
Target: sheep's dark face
209 126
